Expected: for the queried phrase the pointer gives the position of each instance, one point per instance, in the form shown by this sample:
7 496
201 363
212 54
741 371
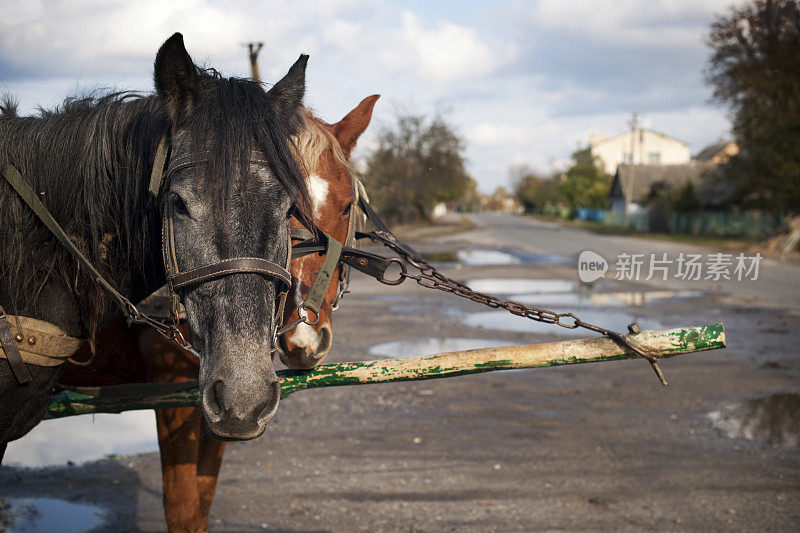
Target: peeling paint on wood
662 343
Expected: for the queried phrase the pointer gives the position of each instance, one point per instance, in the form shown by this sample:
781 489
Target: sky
523 82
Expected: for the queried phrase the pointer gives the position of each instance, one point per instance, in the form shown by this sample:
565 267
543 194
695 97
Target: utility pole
634 124
254 49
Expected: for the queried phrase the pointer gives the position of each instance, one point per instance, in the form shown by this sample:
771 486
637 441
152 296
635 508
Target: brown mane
313 138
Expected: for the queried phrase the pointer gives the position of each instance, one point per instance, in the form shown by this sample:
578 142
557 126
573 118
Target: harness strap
324 276
28 195
237 265
137 390
301 234
156 175
371 264
35 342
11 352
383 231
159 177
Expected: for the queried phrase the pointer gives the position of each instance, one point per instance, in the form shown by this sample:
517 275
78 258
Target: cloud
106 37
97 37
444 53
349 37
526 80
656 23
612 56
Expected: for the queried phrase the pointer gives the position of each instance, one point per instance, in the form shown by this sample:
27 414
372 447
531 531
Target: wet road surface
600 446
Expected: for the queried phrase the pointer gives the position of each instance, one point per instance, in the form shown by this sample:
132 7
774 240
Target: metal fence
748 225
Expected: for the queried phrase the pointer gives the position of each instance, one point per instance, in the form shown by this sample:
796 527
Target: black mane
241 119
91 159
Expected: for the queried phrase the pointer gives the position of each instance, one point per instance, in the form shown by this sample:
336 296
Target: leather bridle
176 279
336 255
311 241
161 175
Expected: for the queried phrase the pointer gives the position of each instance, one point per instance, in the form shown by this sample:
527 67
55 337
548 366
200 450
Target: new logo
591 266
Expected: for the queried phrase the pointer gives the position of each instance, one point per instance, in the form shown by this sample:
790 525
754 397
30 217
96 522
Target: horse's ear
287 94
176 78
349 129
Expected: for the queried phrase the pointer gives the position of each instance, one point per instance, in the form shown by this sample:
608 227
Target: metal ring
305 318
400 279
133 312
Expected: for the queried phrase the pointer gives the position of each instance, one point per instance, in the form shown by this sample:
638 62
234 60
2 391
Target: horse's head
230 190
325 150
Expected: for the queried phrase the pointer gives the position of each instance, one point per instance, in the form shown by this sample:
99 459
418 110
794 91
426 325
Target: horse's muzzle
232 416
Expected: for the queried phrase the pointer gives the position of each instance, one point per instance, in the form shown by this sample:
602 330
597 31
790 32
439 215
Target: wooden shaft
664 344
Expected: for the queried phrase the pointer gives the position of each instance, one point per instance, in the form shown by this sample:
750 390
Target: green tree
755 69
417 163
532 190
585 184
685 199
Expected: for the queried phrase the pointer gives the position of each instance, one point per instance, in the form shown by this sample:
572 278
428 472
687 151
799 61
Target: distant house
439 210
501 200
633 184
639 146
719 153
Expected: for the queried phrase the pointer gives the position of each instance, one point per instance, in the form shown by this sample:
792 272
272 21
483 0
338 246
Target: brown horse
190 456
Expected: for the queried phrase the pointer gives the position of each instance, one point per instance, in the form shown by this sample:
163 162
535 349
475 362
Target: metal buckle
168 331
400 278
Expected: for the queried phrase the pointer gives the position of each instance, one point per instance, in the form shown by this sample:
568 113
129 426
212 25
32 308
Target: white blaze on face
318 188
305 336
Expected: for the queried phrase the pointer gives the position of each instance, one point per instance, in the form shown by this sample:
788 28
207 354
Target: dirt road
600 446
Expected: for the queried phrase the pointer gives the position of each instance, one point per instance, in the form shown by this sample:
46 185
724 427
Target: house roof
623 134
634 182
707 153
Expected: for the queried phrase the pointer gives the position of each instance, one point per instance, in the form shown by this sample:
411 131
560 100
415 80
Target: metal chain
430 278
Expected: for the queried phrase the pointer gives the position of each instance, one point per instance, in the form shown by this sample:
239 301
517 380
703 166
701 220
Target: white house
638 147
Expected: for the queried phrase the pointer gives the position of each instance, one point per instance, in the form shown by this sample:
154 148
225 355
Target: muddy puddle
83 438
616 320
480 257
529 290
601 305
47 515
490 257
772 419
607 308
604 299
430 346
521 285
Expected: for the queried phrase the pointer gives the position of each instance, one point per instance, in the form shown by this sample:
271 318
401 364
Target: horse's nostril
213 400
218 390
325 341
282 347
271 405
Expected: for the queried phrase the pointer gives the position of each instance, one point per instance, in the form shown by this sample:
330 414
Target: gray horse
91 160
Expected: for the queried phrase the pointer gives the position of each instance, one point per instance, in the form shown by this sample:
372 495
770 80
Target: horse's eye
179 206
347 209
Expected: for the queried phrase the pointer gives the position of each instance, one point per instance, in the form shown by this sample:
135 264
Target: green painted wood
162 396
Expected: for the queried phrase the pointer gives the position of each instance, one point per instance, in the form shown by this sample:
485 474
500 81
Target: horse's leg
178 435
208 462
178 442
